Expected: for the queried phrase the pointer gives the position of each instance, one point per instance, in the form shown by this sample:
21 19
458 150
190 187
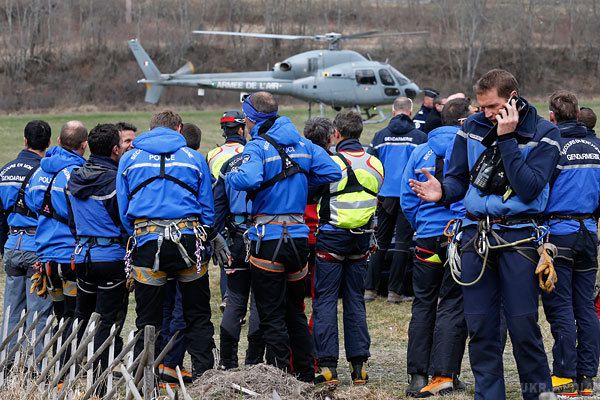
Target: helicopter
330 77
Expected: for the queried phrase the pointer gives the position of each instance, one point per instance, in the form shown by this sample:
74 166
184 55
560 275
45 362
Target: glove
39 284
221 253
545 268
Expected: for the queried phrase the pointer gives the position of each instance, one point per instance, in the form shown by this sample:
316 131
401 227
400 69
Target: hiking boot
458 384
415 384
394 297
169 375
439 385
564 386
370 295
358 372
327 375
585 385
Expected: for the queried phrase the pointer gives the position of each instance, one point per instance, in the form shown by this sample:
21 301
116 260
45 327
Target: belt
15 230
507 219
100 241
144 226
289 219
572 217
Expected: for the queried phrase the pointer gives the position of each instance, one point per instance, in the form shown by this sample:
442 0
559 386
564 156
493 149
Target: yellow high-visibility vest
351 201
220 155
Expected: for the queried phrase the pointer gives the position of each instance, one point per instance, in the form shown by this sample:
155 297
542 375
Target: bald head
402 105
73 136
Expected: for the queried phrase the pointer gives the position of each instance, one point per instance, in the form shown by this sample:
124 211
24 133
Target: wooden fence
51 374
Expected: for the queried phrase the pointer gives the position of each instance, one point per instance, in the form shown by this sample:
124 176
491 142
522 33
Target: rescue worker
421 116
437 331
233 126
100 236
512 153
54 238
20 249
434 119
346 212
587 117
166 205
127 133
232 213
393 146
172 306
277 167
574 200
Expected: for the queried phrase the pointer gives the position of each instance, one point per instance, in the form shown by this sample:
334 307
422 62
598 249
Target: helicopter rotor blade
254 34
372 34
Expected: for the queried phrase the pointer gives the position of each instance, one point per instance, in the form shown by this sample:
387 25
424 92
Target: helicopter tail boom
154 88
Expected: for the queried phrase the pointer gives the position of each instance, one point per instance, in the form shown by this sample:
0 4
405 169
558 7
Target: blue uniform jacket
228 201
429 219
421 116
54 239
392 146
162 198
261 162
575 185
11 177
93 195
529 155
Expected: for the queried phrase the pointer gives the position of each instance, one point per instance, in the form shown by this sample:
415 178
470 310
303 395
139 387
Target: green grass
388 324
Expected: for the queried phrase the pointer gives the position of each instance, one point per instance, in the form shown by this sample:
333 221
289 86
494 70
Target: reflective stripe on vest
355 209
220 155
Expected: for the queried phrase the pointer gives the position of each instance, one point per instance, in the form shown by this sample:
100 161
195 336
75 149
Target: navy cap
429 92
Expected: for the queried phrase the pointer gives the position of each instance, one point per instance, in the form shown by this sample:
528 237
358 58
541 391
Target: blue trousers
509 280
172 322
570 307
18 265
346 276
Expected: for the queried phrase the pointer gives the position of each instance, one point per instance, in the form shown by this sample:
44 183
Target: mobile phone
520 103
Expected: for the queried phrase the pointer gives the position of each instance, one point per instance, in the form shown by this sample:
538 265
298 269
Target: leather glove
545 268
39 284
221 253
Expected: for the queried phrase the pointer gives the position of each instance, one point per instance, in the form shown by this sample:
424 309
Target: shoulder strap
289 167
163 175
47 207
20 207
439 169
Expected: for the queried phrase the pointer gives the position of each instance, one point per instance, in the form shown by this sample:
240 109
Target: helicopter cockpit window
365 77
386 77
402 80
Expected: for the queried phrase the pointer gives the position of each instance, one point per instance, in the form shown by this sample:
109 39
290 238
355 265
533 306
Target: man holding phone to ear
501 164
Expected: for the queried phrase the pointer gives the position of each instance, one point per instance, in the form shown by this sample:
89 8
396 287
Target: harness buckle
78 249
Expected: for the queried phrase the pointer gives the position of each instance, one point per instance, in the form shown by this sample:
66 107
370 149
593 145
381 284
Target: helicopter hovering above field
333 77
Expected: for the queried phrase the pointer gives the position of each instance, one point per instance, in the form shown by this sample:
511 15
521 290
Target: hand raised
508 118
430 190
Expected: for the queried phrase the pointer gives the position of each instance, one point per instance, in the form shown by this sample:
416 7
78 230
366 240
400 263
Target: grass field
388 324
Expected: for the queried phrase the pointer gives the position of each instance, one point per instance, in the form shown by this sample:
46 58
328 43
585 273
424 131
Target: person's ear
25 144
116 150
552 117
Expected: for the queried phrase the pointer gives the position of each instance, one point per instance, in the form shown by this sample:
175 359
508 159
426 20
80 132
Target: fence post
149 339
4 335
29 360
17 358
74 349
46 341
90 353
111 357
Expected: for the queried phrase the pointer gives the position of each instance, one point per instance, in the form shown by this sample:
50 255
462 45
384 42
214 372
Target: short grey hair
402 104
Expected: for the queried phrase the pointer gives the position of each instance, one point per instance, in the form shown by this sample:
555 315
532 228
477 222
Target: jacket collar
349 145
235 138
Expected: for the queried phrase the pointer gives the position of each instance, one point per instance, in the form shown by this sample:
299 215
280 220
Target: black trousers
195 295
101 288
238 294
390 219
437 332
280 306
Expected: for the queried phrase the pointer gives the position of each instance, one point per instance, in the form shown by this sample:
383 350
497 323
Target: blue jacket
529 155
575 185
163 198
392 146
54 239
93 195
421 117
429 219
11 178
228 201
261 162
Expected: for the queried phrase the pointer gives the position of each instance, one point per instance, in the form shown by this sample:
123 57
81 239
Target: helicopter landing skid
372 118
